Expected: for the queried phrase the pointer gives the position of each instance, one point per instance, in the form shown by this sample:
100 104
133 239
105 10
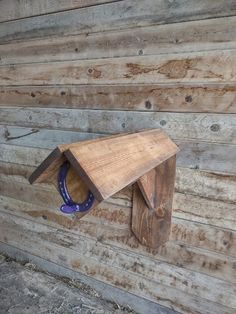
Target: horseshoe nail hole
76 49
225 242
148 105
123 125
140 52
188 98
90 70
63 93
162 122
32 94
44 217
215 127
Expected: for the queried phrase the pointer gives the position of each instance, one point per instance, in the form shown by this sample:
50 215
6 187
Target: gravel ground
26 290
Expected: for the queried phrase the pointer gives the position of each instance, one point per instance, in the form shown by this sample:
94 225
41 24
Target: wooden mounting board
152 225
47 170
109 164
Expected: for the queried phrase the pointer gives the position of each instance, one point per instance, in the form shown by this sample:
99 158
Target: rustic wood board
110 164
167 281
218 98
193 154
187 206
49 167
117 15
219 128
196 67
176 253
152 209
195 271
214 186
211 34
12 10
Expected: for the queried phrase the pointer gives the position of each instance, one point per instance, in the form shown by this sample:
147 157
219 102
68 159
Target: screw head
163 122
215 127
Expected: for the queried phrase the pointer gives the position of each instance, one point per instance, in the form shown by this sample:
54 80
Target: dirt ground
26 290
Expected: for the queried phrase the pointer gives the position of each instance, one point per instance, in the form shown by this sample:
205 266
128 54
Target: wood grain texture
212 98
152 225
102 222
203 210
197 67
187 206
167 292
215 128
147 185
210 34
118 15
12 10
193 154
138 65
110 164
48 169
179 254
214 186
207 156
196 208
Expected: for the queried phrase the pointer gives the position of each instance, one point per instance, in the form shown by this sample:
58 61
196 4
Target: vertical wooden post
152 204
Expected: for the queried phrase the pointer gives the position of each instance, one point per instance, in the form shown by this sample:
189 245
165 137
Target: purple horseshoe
70 206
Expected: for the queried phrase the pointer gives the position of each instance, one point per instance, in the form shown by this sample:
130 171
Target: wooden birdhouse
86 173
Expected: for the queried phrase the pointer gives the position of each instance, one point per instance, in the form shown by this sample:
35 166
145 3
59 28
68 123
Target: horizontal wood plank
187 206
117 15
193 154
107 215
214 186
218 98
178 254
168 57
211 34
166 289
12 10
110 164
218 128
197 67
207 156
200 209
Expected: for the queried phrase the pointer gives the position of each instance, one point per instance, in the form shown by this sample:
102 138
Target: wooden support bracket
152 208
102 167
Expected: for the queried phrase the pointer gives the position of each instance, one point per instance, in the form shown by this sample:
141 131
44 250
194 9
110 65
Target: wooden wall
72 70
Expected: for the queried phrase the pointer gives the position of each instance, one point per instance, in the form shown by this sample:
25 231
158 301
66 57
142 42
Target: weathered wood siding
74 70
